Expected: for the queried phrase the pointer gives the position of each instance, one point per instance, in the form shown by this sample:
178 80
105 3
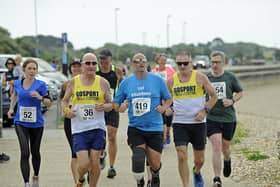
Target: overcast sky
92 23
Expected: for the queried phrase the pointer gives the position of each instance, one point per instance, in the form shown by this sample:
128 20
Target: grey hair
219 53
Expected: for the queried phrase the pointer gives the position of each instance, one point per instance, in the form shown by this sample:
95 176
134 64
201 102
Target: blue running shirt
28 112
143 96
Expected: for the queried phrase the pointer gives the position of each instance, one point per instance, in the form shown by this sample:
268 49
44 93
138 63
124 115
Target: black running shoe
111 172
4 157
155 181
149 183
217 182
141 183
227 168
103 160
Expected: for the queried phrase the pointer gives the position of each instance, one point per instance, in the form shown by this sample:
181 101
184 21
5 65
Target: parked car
46 73
49 73
54 79
201 61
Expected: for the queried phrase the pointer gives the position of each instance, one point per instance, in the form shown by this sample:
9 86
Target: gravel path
258 111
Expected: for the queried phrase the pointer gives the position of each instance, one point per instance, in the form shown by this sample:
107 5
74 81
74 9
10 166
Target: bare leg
198 160
216 141
182 155
226 149
83 163
74 169
94 167
112 137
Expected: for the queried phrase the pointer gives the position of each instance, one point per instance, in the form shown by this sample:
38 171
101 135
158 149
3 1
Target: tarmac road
55 166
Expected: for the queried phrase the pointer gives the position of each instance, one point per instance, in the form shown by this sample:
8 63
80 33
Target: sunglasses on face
216 62
90 62
138 60
182 63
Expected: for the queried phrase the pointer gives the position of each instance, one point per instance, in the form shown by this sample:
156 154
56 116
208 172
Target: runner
188 89
114 76
145 128
221 120
164 72
90 97
29 93
74 69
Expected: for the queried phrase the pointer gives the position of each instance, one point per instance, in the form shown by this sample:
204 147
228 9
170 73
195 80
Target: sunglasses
90 62
138 60
181 63
216 62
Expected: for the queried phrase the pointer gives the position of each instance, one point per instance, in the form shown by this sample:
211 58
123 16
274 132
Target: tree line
51 48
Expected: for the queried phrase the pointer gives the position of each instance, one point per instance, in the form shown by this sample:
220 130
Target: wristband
66 111
206 110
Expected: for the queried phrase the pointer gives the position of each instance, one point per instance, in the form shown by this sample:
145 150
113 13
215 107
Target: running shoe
155 181
217 182
149 183
35 182
4 157
111 172
27 185
81 183
197 179
227 168
168 140
103 160
141 183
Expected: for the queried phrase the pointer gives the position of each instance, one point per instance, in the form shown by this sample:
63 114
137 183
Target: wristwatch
206 110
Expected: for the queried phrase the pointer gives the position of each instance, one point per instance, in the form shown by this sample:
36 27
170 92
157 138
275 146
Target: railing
246 72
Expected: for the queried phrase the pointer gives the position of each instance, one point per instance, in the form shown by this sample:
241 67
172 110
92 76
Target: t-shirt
28 112
143 96
225 85
165 74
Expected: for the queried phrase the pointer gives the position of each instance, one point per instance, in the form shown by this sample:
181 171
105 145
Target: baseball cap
104 53
75 61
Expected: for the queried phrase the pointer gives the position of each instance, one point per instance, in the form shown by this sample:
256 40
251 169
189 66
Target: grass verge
254 155
240 133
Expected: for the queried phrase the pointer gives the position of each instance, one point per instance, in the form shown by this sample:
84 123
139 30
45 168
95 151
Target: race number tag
87 112
220 88
141 106
28 114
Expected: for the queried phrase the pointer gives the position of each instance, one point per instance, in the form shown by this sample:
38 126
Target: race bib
141 106
28 114
220 88
87 112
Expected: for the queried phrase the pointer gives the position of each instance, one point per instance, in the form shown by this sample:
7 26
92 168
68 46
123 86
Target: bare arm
170 82
12 105
68 113
166 104
116 107
236 97
203 82
107 106
4 82
207 86
119 74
